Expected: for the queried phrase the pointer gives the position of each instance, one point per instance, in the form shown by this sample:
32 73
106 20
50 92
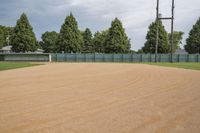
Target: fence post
178 57
94 57
149 57
132 57
113 58
188 58
75 57
65 57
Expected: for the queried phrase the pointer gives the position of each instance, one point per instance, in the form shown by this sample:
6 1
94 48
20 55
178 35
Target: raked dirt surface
99 98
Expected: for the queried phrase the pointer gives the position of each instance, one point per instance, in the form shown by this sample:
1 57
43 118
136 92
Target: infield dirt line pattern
99 98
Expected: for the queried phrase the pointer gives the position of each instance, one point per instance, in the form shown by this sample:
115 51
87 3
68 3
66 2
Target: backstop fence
124 57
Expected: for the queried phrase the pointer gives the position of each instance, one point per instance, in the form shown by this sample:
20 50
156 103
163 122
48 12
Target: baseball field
99 98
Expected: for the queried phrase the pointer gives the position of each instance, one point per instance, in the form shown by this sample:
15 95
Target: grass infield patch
14 65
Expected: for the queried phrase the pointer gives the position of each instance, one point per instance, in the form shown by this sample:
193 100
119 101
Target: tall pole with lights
158 17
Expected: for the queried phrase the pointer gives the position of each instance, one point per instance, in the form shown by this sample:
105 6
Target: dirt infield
99 98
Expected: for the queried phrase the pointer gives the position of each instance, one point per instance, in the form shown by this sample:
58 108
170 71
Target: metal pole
157 30
172 31
8 39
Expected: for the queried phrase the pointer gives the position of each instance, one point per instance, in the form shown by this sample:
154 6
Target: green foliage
70 39
117 41
163 43
99 41
177 37
140 51
5 32
88 46
193 41
48 42
23 38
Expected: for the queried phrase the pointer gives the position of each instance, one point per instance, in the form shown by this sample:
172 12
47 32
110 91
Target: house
6 50
181 51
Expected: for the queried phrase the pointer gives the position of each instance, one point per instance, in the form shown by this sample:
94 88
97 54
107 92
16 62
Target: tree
23 38
117 41
48 42
177 40
99 41
163 42
5 32
88 46
193 41
70 38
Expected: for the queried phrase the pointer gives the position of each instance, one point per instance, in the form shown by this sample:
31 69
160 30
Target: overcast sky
136 15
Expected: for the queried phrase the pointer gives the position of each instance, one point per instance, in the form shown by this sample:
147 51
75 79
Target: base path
99 98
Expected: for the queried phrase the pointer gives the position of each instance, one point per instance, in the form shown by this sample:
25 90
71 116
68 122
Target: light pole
172 29
157 29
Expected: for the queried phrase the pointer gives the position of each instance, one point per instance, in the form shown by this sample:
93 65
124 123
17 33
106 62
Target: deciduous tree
48 42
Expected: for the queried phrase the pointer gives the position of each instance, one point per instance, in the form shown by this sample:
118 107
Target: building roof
6 48
181 51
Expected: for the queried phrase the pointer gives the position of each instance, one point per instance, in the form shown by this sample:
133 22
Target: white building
6 50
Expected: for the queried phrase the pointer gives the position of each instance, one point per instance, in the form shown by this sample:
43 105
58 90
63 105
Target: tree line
113 40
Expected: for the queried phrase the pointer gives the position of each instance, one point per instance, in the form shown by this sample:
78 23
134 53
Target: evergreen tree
88 46
117 41
193 41
99 41
70 39
23 38
163 41
48 42
178 36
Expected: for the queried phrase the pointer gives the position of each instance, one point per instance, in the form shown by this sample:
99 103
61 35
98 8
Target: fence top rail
25 54
111 54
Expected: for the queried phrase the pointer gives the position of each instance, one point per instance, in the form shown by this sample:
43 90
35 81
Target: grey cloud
136 15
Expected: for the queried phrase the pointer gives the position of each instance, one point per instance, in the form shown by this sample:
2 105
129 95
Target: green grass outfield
193 66
14 65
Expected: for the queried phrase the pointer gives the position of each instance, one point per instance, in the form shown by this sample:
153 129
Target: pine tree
70 39
193 41
23 38
88 46
117 41
163 41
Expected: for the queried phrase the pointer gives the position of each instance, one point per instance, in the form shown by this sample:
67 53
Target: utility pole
157 29
172 31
